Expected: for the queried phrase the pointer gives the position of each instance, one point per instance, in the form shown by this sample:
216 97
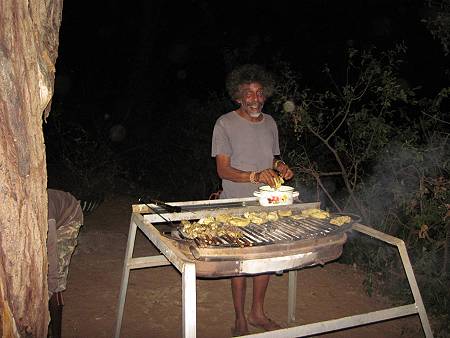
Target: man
65 218
245 145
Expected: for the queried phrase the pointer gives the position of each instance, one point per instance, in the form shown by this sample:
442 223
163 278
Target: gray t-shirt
250 145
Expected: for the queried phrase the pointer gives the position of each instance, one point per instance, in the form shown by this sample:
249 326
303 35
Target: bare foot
264 323
240 328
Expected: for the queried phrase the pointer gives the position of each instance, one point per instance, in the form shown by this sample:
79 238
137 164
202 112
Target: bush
79 162
387 151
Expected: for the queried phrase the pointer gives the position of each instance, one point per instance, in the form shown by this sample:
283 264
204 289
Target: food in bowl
278 181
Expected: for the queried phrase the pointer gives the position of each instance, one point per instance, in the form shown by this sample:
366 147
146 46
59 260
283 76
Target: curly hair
246 74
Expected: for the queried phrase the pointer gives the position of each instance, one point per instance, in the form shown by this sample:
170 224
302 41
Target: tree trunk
29 32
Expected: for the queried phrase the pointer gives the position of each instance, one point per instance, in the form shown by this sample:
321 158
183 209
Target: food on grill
206 220
284 212
208 228
264 217
185 223
340 220
316 213
320 215
272 216
223 218
239 221
261 227
231 231
213 229
256 217
297 216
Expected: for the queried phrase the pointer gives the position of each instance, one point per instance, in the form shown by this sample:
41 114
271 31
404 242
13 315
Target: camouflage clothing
66 243
65 218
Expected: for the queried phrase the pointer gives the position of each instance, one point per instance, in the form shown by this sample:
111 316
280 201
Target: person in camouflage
65 218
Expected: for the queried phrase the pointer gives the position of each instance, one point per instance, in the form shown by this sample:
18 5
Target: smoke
313 193
397 177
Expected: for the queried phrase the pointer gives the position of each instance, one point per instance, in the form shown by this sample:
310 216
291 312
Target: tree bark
29 33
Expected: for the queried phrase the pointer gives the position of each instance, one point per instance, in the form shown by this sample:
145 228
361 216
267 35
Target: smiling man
245 145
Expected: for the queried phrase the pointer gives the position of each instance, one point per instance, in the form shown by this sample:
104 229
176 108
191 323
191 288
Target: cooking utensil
165 206
269 196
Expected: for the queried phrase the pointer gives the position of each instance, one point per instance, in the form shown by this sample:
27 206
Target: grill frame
188 267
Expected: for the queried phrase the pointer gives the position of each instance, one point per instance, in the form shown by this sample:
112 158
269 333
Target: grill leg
408 270
292 295
189 301
415 289
125 275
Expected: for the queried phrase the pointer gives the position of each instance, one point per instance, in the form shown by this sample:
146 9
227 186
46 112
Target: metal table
171 254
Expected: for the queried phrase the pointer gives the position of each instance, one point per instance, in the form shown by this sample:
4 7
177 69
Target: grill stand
187 268
367 318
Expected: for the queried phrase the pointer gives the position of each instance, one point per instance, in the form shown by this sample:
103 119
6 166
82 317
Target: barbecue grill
305 242
285 244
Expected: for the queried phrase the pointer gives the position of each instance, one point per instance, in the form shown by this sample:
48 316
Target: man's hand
284 170
267 176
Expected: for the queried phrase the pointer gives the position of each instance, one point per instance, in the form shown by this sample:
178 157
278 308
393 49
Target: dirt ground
153 305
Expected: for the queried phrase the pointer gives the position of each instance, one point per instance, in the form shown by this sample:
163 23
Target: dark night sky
109 50
140 63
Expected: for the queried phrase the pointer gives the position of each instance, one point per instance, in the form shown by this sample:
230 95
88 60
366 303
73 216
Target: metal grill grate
274 232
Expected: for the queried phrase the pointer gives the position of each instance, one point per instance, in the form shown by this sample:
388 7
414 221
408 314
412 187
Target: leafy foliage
387 150
78 161
438 21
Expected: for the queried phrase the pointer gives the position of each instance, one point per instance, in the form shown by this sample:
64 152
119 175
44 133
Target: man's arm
227 172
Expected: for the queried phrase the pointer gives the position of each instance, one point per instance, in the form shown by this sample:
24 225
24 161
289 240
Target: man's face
251 99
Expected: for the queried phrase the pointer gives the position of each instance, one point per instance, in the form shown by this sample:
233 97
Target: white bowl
268 196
